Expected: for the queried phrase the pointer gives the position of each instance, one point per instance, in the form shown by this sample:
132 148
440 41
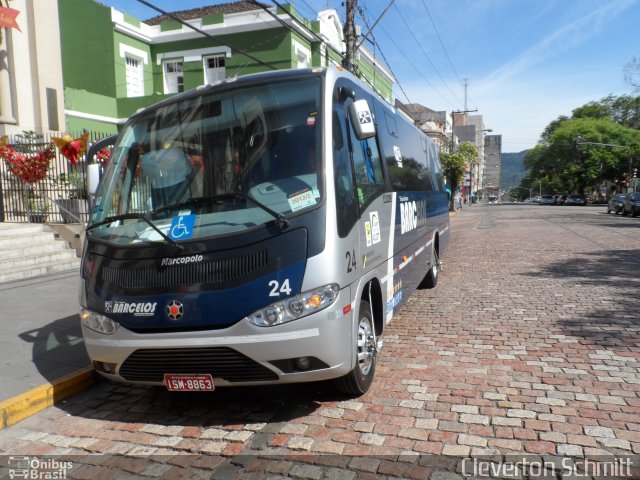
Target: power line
374 24
426 54
282 22
410 62
410 103
435 28
202 32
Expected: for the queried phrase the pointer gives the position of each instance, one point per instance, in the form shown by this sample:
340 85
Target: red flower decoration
103 156
71 148
30 168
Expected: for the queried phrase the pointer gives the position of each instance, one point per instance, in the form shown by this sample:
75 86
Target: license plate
178 382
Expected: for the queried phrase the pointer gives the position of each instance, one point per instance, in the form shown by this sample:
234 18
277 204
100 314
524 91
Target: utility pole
350 36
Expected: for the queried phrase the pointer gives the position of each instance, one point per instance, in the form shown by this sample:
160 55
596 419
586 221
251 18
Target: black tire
634 212
358 380
431 278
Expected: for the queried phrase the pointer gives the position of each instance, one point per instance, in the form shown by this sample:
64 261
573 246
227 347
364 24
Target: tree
455 163
566 166
632 70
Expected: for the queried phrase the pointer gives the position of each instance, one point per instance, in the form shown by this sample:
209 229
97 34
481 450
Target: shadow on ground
57 348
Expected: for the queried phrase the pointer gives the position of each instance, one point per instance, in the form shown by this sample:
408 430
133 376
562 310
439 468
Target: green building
114 64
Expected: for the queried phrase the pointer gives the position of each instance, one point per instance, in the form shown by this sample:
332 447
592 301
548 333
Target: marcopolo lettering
181 260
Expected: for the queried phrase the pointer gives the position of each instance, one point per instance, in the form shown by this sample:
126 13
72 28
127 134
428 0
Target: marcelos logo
145 309
412 215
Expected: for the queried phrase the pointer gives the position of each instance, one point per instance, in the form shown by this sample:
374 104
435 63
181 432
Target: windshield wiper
281 220
138 216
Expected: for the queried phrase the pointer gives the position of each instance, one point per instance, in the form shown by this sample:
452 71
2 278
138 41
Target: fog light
303 363
105 367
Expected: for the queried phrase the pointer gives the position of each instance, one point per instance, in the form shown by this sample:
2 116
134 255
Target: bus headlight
98 323
295 307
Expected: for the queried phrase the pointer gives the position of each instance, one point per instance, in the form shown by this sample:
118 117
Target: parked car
631 204
575 200
546 200
616 203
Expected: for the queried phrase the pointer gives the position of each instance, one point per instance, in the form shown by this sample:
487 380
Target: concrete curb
26 404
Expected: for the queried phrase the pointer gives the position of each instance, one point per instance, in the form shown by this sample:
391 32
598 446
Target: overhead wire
208 35
282 22
419 44
444 49
409 102
410 62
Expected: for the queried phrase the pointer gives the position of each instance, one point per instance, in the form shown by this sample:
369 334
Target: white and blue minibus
262 230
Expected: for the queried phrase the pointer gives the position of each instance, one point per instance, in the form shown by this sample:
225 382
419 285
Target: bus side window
346 204
368 168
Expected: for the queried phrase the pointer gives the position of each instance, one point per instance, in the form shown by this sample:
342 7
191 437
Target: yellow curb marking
26 404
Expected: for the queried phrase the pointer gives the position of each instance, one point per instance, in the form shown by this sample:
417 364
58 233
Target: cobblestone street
530 344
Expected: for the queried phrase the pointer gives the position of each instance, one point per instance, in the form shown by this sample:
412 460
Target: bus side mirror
93 178
362 119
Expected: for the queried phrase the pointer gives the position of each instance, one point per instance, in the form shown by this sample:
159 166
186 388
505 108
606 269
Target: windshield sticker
182 227
301 199
375 227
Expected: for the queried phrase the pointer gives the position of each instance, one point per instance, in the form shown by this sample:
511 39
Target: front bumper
242 354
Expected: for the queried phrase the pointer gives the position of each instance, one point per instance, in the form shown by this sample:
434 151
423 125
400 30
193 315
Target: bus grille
150 365
206 272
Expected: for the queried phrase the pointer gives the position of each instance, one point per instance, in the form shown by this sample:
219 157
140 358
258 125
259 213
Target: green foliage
455 163
573 169
565 167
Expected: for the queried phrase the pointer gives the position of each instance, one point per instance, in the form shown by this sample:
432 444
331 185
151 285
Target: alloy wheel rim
366 346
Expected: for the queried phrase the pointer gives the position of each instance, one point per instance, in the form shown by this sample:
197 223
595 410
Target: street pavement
40 337
529 345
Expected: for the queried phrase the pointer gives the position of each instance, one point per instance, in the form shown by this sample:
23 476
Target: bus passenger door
375 205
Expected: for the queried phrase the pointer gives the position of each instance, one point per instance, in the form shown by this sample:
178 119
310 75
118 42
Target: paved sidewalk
40 337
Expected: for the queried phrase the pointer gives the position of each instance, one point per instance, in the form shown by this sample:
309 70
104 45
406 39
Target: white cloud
569 36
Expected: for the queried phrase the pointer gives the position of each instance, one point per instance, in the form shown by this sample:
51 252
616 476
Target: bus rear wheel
358 380
431 279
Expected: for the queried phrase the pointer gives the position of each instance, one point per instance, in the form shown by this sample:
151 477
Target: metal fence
60 197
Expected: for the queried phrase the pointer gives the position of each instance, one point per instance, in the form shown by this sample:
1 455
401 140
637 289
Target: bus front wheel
358 380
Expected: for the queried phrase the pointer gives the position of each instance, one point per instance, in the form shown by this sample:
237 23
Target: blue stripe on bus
205 309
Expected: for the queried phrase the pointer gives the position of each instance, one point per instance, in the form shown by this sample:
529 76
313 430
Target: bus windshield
230 159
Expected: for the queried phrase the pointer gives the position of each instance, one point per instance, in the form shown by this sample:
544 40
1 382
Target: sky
525 62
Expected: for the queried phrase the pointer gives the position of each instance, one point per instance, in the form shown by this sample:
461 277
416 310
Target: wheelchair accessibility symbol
182 227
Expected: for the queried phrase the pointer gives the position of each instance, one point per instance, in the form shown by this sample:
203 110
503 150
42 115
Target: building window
301 55
173 77
214 69
134 76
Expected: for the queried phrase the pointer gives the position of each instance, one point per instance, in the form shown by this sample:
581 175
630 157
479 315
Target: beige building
31 87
